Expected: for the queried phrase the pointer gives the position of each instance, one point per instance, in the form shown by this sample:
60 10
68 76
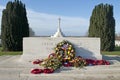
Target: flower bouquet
51 63
78 62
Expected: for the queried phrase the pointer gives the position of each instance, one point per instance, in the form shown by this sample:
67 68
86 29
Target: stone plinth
41 47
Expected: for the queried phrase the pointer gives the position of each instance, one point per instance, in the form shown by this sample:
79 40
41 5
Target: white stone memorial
41 47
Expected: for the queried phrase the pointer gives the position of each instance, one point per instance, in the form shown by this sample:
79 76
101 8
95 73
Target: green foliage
111 53
52 63
9 52
102 24
31 32
79 62
14 26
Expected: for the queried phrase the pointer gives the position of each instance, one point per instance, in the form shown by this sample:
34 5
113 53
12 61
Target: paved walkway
11 68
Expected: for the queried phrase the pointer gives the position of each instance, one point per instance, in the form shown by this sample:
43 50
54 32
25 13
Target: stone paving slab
12 69
4 57
77 74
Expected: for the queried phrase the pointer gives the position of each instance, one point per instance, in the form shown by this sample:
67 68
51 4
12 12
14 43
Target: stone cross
59 19
59 31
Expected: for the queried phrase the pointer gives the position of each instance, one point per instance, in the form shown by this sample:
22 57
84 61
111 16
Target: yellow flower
70 48
68 52
68 58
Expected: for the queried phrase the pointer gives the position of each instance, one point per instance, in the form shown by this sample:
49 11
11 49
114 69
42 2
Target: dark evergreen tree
102 24
31 32
14 26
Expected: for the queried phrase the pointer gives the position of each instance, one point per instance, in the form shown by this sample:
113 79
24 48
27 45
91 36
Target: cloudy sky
75 14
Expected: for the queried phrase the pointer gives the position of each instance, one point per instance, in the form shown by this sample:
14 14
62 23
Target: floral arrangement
38 71
64 55
65 50
79 62
37 61
97 62
51 63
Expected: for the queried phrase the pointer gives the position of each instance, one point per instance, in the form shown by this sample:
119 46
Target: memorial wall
41 47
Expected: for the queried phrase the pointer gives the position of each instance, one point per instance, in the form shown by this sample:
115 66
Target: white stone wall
41 47
117 43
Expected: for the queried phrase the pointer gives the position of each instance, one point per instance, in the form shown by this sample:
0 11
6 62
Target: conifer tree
102 24
14 26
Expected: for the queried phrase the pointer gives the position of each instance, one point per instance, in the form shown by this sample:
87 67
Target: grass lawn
116 52
111 53
9 52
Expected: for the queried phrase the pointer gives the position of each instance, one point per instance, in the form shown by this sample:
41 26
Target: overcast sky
75 14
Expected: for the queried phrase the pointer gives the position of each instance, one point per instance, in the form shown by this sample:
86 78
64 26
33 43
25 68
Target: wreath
65 51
